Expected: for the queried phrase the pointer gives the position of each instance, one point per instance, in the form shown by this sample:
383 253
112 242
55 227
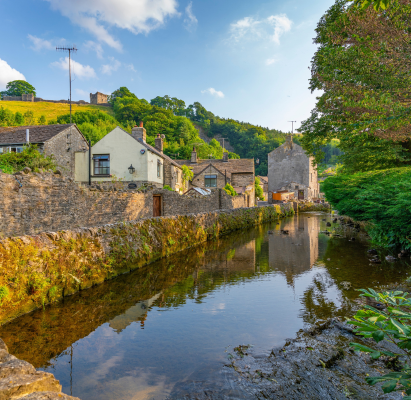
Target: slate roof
232 166
263 179
159 153
38 133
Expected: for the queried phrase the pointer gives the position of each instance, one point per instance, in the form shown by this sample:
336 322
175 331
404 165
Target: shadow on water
146 334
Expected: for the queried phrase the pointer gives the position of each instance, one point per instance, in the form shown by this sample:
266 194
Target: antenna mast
69 49
292 126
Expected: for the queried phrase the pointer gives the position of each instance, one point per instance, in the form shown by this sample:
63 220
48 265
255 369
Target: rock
390 258
3 345
48 396
372 251
15 367
346 285
57 172
353 239
375 260
26 170
270 232
21 385
285 231
328 223
5 356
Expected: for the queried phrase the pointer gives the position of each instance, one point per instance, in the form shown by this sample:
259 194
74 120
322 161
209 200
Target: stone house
98 98
215 174
119 155
289 168
61 141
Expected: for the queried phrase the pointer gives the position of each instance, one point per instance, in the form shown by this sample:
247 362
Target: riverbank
41 269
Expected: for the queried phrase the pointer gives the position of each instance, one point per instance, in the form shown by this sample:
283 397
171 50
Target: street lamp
131 169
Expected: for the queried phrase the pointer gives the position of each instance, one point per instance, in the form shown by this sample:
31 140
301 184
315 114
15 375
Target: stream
168 326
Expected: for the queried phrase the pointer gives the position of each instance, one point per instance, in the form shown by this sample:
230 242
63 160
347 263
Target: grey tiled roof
38 133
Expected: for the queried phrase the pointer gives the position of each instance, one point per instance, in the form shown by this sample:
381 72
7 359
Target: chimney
159 143
194 156
139 132
225 156
27 135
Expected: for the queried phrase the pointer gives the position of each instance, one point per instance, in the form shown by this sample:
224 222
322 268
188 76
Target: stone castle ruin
95 98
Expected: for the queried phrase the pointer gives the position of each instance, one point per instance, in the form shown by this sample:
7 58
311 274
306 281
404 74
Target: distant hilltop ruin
95 98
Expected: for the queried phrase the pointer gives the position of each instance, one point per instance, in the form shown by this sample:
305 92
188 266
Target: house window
158 168
210 180
101 164
14 149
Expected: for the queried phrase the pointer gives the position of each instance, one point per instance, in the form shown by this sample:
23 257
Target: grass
50 110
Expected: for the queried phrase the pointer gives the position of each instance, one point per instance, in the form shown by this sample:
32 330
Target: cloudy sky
241 59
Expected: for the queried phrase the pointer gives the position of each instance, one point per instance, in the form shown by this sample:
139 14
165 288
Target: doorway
157 206
301 195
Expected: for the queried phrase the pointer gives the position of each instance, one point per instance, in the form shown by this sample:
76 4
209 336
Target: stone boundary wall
37 202
20 380
36 270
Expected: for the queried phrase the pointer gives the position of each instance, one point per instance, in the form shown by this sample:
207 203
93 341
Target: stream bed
165 329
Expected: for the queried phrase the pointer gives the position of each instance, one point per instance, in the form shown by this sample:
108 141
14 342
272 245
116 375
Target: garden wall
40 269
36 202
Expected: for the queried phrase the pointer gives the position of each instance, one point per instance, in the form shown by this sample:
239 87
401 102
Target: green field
50 110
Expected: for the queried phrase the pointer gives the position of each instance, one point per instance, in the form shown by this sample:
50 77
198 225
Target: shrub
229 190
167 187
259 192
382 198
4 292
392 325
29 157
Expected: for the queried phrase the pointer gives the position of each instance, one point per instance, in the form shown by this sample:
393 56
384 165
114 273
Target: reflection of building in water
133 314
296 252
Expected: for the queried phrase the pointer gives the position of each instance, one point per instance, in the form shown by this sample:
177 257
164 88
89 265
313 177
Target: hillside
50 110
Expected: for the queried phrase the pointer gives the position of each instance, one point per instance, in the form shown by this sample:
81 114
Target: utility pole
292 126
69 49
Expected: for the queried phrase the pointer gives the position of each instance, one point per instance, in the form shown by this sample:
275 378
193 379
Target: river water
152 333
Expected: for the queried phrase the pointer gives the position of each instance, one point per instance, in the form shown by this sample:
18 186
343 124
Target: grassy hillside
50 110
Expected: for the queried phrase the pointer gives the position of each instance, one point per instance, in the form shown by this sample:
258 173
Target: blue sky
246 60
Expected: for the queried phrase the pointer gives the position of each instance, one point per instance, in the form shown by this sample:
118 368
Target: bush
29 157
167 187
229 190
259 192
382 198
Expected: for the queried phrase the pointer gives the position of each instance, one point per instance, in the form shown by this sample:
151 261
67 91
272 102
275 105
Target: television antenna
292 126
69 49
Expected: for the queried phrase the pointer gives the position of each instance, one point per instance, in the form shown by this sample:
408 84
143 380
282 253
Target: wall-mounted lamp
131 169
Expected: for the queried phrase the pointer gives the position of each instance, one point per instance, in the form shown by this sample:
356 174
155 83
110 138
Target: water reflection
151 333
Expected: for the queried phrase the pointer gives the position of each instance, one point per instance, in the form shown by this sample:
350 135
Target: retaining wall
36 270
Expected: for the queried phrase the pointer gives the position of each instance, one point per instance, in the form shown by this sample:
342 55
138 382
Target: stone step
48 396
16 386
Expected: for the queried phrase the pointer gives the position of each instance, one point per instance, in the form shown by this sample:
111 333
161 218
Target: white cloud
109 68
40 44
190 22
270 61
93 46
213 92
281 25
249 28
77 69
130 67
8 74
82 93
140 16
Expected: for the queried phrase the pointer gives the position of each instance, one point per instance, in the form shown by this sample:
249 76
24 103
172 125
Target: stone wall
34 202
20 380
242 180
52 265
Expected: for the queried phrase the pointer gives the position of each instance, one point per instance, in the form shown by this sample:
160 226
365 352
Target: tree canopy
363 67
17 88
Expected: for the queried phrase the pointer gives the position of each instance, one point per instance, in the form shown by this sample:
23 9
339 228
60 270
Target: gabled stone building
290 169
61 141
215 174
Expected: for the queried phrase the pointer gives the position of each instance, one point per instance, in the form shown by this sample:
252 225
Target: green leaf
378 336
389 386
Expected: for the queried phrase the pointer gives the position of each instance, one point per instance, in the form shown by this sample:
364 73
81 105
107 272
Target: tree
363 67
259 193
17 88
119 93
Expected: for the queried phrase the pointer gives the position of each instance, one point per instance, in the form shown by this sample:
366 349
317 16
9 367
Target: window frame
95 167
208 179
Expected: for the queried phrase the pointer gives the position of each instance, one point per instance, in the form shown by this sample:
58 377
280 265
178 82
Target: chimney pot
225 156
141 124
159 143
27 135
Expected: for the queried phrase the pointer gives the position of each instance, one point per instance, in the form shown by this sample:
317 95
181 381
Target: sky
241 59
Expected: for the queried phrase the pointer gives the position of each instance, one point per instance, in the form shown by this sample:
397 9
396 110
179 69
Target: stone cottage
61 141
290 169
131 159
215 174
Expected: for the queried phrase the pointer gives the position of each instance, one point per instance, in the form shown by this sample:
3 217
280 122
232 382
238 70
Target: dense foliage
8 118
230 190
392 324
17 88
259 192
29 157
363 68
382 198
